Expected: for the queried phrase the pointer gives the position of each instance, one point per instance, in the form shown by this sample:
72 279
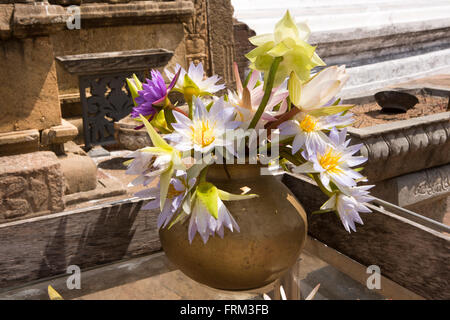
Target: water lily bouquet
282 114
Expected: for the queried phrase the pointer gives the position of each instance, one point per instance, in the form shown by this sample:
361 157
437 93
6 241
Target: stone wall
241 45
169 36
29 90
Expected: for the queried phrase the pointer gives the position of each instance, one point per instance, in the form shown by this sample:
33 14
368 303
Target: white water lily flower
308 130
161 160
208 214
334 162
148 165
206 225
348 202
207 128
178 193
316 95
247 100
195 84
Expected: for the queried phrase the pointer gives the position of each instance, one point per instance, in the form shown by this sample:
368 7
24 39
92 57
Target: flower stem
191 109
320 185
202 175
267 92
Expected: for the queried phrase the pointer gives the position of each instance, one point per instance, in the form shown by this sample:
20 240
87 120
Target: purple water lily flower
154 93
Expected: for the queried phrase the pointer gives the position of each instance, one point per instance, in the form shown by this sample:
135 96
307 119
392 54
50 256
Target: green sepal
226 196
328 111
169 118
208 194
134 88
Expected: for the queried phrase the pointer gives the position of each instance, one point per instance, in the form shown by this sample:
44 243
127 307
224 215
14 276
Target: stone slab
80 173
381 42
406 146
6 13
30 184
169 36
110 62
43 18
424 192
16 142
154 277
45 246
409 253
29 99
424 185
59 134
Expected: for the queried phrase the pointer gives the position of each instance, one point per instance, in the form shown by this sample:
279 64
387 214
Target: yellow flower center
308 124
330 161
172 192
203 133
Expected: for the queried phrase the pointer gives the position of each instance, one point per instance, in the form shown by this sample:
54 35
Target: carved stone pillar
209 37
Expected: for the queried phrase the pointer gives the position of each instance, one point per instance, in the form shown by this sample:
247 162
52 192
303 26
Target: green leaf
226 196
208 194
328 111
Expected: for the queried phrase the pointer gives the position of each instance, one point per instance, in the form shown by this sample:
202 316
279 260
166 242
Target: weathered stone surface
44 18
45 246
128 137
169 36
31 183
438 210
221 38
6 12
59 134
197 36
29 97
110 62
241 45
80 173
409 253
16 142
424 191
401 147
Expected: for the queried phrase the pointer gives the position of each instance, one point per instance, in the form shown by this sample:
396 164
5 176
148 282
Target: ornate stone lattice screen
104 96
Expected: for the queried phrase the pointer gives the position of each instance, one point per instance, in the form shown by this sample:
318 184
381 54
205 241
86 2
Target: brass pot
272 234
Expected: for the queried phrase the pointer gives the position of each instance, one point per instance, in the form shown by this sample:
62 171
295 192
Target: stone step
251 5
263 22
382 43
367 79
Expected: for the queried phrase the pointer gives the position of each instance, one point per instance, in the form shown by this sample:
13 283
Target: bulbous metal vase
273 230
